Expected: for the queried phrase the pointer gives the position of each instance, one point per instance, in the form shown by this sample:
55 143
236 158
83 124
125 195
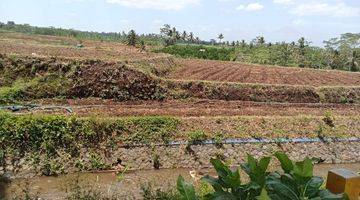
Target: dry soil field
209 70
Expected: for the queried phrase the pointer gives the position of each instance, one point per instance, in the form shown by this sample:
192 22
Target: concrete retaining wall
184 156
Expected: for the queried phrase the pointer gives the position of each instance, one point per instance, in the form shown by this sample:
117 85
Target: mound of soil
114 81
77 78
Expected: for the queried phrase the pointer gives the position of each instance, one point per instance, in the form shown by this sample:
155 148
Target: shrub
197 137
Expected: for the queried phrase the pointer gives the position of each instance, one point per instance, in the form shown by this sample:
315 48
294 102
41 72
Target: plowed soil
195 108
248 73
55 46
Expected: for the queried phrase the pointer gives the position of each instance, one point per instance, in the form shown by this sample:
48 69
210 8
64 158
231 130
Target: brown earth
192 108
193 69
56 46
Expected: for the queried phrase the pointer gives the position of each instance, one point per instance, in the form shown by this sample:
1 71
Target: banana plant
297 182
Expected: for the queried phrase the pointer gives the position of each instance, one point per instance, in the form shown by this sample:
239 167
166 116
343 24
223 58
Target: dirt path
195 108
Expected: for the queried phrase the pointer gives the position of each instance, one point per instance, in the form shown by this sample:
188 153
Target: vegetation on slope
45 140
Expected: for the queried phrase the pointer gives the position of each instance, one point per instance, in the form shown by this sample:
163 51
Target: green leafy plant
197 137
186 190
297 182
228 184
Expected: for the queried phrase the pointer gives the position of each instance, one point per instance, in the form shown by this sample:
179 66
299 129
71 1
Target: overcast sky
276 20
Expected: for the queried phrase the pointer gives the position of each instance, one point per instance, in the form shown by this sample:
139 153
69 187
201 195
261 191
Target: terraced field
189 108
66 47
65 102
249 73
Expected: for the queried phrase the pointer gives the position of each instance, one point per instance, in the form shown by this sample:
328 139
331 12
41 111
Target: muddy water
127 186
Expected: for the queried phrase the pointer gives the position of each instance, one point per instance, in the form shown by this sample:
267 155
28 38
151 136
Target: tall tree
166 30
243 43
353 63
191 37
132 38
302 45
220 37
197 40
260 40
169 34
184 35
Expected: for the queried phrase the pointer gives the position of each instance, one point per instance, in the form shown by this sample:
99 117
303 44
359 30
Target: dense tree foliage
339 53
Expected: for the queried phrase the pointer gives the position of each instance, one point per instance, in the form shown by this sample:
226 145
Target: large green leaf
186 190
304 168
257 169
312 187
221 195
227 178
289 181
264 195
214 182
327 195
233 180
279 189
221 169
286 164
263 164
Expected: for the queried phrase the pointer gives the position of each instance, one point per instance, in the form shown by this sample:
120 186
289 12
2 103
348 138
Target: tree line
341 53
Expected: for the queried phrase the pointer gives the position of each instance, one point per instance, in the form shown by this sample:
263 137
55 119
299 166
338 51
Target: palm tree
191 37
220 37
197 40
184 35
353 64
260 40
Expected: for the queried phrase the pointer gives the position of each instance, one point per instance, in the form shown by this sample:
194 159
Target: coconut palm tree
220 37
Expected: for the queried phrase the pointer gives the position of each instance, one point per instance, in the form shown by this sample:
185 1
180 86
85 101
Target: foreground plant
296 183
